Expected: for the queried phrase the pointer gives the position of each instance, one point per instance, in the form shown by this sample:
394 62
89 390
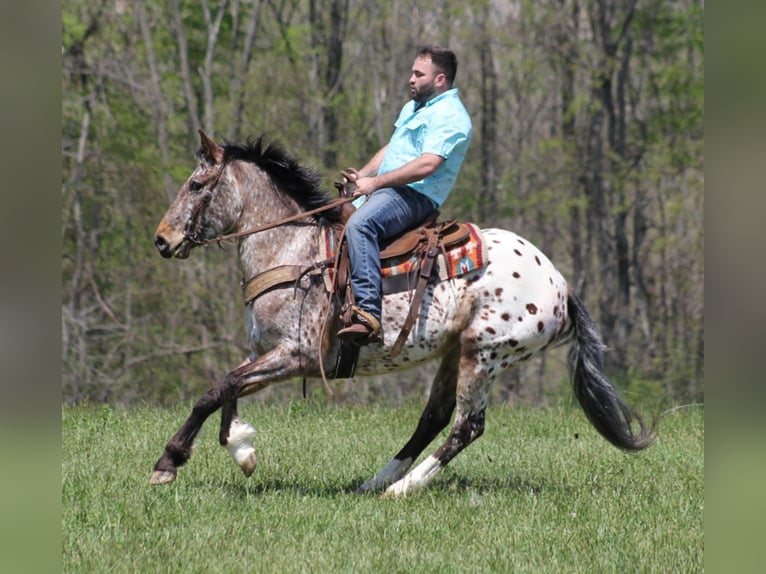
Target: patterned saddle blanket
462 249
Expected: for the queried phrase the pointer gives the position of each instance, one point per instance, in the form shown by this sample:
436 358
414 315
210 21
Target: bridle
193 226
272 277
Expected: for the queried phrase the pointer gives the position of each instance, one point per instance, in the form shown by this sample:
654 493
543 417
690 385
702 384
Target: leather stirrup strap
425 273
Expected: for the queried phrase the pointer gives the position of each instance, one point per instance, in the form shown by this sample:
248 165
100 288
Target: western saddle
423 243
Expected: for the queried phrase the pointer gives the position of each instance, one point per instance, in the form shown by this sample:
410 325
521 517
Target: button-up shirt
441 127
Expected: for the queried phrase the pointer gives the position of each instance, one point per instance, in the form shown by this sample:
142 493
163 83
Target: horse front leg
179 448
235 434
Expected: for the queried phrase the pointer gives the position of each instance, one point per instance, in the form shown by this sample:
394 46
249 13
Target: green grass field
539 492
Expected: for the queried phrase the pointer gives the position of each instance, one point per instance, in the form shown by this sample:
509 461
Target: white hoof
240 446
399 489
249 463
162 477
420 477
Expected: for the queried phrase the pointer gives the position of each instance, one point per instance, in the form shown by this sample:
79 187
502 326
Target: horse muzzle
171 243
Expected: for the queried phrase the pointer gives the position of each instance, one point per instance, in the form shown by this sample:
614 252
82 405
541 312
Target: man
406 180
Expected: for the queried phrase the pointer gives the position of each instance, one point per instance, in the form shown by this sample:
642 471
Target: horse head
202 209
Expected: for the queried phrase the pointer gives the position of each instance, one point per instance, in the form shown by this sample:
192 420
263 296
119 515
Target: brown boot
355 332
363 330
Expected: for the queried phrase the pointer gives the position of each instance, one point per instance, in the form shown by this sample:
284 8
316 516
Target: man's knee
359 226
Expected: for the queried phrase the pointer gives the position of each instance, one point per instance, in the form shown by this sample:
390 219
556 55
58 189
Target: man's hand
347 186
365 186
360 184
350 175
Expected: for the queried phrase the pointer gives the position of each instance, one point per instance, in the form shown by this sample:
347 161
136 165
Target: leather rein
283 274
194 224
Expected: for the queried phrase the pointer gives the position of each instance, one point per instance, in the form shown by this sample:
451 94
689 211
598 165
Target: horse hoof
162 477
370 486
401 488
363 489
394 493
249 463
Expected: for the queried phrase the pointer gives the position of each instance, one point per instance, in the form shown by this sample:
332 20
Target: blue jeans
387 213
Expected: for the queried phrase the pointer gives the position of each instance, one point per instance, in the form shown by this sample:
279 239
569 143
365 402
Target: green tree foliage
589 141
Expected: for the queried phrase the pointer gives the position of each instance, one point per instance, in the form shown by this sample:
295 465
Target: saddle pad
458 260
466 257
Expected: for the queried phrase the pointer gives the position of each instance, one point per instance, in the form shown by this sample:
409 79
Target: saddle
434 250
418 249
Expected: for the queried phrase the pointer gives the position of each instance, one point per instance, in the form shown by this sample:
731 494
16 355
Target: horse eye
195 185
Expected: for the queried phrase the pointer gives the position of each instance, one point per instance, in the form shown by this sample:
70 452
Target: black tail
598 398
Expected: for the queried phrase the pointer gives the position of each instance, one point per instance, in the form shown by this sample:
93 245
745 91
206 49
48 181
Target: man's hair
444 59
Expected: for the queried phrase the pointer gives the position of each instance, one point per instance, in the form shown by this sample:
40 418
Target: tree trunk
190 99
213 29
615 300
328 26
160 106
488 205
241 72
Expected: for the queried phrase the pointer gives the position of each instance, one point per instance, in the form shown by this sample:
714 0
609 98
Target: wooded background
588 141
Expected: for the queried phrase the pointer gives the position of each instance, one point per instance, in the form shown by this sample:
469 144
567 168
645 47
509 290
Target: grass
539 492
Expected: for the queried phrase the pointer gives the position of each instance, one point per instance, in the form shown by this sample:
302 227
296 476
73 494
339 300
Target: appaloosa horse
478 325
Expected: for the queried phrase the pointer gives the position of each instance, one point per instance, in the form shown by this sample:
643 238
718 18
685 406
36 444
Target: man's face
426 81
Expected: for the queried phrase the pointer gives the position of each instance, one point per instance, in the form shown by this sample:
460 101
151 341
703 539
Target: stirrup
364 328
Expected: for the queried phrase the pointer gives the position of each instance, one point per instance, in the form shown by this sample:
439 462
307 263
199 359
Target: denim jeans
387 213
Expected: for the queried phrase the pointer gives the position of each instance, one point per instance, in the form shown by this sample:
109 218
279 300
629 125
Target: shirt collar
449 93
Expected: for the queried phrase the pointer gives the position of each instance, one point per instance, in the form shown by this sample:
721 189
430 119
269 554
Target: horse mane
299 182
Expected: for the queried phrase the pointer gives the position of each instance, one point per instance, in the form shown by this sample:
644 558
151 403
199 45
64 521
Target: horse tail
597 396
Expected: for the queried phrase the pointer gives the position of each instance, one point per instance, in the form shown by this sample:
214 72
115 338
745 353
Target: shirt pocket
413 133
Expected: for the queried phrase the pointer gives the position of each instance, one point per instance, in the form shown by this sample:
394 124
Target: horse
273 208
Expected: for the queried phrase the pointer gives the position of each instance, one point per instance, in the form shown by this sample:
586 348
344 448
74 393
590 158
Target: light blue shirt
441 127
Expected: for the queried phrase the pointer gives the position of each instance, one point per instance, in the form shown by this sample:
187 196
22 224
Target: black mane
301 183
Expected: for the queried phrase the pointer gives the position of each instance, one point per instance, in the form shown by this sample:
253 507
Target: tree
588 140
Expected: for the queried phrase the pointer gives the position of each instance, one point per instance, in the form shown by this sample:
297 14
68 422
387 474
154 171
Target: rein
192 227
272 277
296 217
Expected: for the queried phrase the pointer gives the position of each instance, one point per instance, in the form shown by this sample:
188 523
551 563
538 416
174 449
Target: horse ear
212 151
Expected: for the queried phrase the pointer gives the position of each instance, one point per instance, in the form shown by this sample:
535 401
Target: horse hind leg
435 417
471 401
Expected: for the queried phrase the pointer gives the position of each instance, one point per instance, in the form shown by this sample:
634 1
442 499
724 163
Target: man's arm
415 170
369 170
371 167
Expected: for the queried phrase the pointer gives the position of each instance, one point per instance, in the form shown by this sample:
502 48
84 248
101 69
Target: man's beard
424 94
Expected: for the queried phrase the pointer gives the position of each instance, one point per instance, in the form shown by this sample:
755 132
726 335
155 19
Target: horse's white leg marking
420 477
473 383
435 417
240 445
392 472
